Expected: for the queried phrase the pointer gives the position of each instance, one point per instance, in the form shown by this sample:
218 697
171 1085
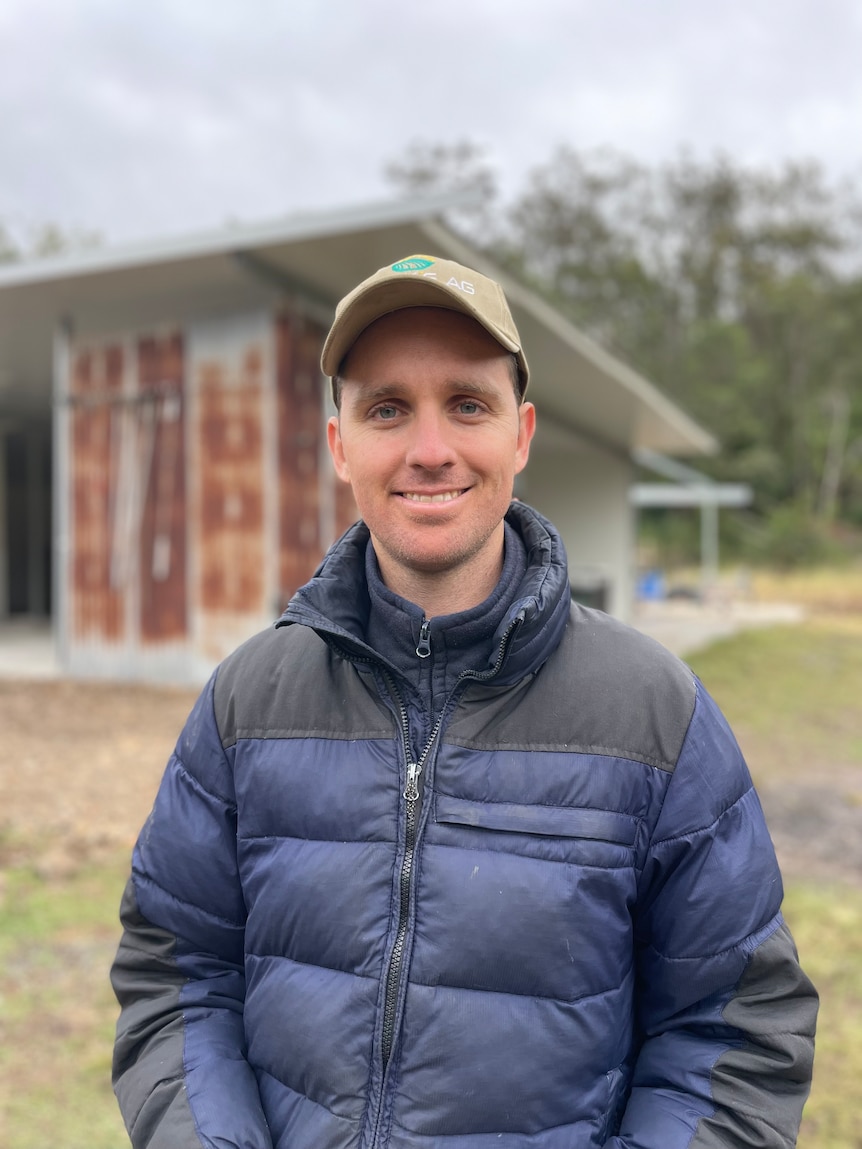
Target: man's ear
526 430
336 448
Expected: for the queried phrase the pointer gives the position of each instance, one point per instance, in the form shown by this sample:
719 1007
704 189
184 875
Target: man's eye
385 412
468 407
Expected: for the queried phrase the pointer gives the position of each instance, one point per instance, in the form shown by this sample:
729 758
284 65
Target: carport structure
164 482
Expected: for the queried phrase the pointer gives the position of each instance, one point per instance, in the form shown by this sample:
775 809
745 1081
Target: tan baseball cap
422 281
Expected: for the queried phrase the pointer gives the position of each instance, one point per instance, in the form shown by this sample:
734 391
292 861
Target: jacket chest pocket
526 899
556 833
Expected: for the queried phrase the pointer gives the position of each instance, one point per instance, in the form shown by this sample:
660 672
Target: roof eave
234 238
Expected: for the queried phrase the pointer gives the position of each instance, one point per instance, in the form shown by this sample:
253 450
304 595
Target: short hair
514 373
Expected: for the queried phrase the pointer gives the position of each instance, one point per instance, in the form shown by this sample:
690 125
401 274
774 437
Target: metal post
708 545
62 540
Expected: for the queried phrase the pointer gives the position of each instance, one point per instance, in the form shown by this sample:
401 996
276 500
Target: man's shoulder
606 689
603 647
287 682
268 647
635 697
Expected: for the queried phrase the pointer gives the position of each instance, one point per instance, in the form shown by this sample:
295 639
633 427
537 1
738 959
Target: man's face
430 436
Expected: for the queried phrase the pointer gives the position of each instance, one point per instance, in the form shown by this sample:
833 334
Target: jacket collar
336 602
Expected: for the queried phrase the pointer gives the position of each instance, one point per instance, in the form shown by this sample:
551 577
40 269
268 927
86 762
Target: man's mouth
440 497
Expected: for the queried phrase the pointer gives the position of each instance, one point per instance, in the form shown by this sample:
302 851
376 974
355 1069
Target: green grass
827 924
792 695
34 911
57 940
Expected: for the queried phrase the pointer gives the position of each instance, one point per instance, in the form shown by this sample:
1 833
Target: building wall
99 502
583 490
162 516
307 517
230 385
4 530
198 494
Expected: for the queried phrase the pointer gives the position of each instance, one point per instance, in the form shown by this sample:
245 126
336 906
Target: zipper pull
411 792
424 647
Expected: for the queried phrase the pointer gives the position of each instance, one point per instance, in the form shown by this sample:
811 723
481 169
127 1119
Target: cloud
139 120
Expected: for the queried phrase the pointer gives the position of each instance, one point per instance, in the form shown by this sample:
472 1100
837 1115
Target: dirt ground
81 763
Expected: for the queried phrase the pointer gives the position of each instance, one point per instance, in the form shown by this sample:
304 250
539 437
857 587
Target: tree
737 289
43 241
426 168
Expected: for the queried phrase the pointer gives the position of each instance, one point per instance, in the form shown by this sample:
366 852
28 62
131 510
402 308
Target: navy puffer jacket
554 925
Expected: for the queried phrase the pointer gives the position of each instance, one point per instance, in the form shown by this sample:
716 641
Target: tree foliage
737 290
42 241
428 168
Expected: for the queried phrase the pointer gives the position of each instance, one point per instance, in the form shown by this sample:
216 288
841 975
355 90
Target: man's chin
428 560
436 560
433 564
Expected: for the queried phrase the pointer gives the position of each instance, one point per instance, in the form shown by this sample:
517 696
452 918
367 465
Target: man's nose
430 443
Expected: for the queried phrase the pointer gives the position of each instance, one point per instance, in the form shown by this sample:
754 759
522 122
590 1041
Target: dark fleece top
459 642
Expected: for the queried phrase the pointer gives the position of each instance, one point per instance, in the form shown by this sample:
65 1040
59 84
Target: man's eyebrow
472 387
374 392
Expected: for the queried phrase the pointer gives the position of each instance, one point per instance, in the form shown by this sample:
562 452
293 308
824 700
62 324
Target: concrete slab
27 649
685 627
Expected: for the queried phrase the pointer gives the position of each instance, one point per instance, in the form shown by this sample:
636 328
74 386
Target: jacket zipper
413 799
412 796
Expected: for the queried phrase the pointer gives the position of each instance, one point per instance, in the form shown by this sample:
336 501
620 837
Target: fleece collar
336 602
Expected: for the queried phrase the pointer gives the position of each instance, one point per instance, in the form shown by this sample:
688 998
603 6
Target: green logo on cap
415 263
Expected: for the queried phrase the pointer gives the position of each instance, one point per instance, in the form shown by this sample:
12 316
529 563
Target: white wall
584 490
4 556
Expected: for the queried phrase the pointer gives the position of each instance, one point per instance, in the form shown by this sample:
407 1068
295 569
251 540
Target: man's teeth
445 497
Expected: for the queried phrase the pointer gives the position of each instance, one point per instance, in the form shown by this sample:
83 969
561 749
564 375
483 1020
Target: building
164 478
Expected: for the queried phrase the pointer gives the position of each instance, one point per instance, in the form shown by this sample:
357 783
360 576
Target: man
444 858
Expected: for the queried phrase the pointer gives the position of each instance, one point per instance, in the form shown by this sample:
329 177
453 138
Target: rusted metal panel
231 395
162 548
300 432
231 479
127 569
97 593
201 495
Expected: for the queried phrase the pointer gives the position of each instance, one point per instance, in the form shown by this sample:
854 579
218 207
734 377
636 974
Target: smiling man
444 857
431 435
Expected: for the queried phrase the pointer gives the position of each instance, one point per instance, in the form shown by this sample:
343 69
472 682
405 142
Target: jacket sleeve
725 1014
180 1069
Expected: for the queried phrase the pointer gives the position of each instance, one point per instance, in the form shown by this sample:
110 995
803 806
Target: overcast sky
173 116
